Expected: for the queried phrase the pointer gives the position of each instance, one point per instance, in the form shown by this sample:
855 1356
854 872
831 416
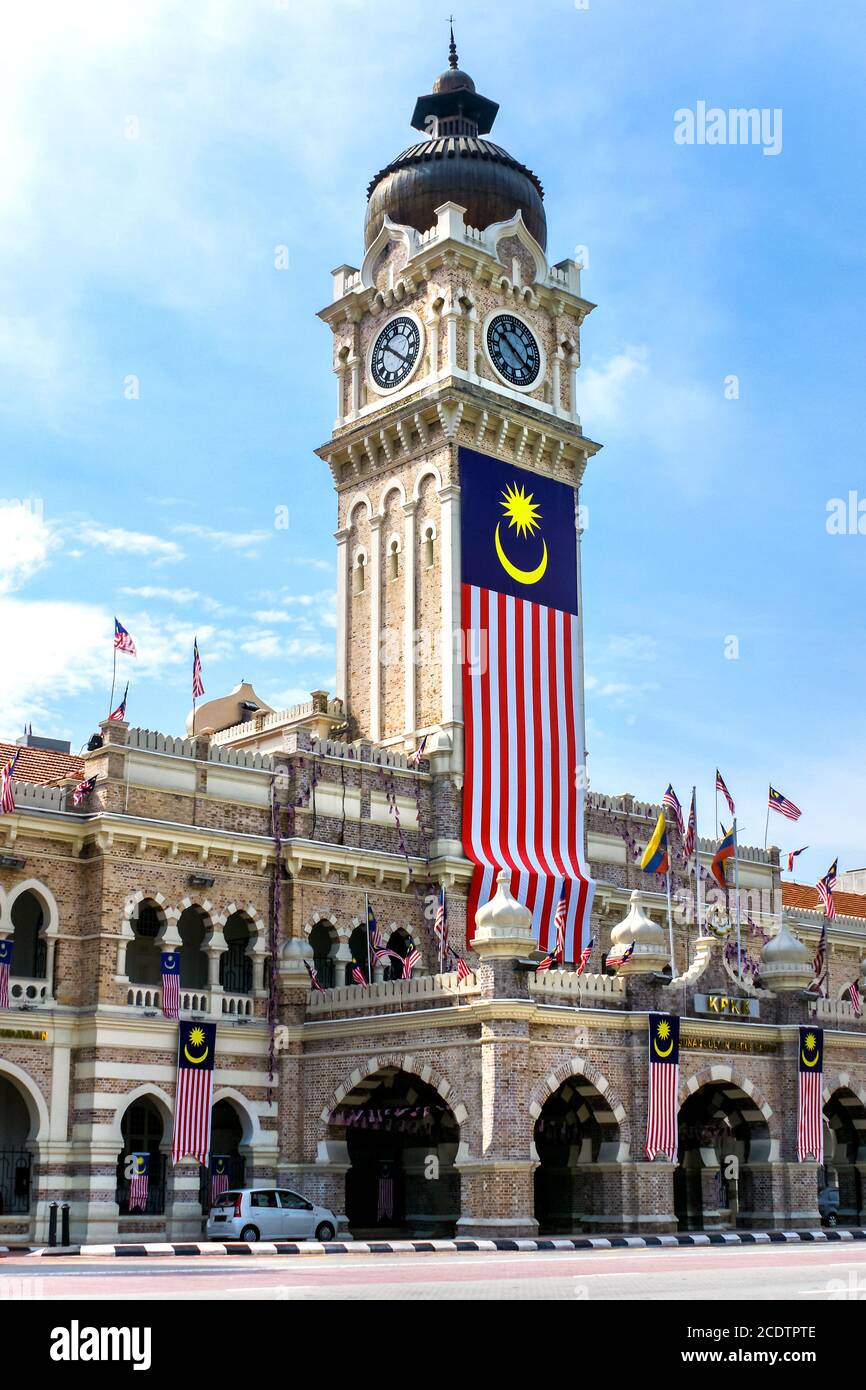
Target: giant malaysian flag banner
522 701
196 1045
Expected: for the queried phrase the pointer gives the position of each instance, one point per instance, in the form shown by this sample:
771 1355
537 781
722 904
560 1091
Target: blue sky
154 156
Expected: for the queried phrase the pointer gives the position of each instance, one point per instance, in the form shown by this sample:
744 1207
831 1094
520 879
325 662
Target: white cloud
61 649
119 541
25 543
604 391
246 541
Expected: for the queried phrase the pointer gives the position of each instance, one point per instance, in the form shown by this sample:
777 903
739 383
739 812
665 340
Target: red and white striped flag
169 962
689 839
219 1178
585 955
662 1132
854 996
810 1100
7 791
463 970
410 960
523 798
122 640
720 787
559 924
5 967
440 927
192 1107
197 683
785 807
825 888
672 802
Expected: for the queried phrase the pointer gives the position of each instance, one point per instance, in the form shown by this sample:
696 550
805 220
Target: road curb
434 1247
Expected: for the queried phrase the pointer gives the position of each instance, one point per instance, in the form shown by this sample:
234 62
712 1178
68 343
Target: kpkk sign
726 1004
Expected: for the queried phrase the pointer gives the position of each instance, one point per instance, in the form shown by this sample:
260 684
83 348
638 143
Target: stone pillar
343 559
375 626
409 560
497 1188
449 550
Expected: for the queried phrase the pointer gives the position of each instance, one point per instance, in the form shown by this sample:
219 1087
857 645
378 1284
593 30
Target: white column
470 344
409 510
342 539
572 387
555 383
433 326
452 695
451 315
340 373
375 626
354 364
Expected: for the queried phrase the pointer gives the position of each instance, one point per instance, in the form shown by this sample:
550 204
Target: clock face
395 352
513 349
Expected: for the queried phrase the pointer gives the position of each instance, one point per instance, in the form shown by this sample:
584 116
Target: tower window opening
394 560
359 579
428 548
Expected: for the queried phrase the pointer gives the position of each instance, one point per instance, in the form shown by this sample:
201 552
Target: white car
267 1213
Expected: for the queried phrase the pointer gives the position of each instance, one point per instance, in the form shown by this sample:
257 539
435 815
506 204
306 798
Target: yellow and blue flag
655 857
726 850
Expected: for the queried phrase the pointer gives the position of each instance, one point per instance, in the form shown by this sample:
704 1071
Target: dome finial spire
452 47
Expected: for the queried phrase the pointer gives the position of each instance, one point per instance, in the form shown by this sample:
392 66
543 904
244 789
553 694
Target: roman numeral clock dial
396 352
513 350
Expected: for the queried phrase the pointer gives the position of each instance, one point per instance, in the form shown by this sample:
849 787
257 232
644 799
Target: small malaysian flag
219 1177
545 964
414 759
410 960
810 1107
690 837
720 787
825 888
440 925
169 964
83 791
197 683
5 967
138 1182
358 975
314 977
662 1132
122 640
854 996
792 855
616 961
585 955
194 1092
463 970
780 803
820 963
120 713
377 945
385 1198
672 801
559 924
7 791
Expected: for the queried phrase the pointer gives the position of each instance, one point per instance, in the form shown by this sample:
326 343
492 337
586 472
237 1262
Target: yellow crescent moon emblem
806 1062
195 1060
522 576
659 1052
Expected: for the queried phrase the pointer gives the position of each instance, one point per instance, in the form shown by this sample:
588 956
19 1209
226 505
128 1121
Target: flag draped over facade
810 1102
169 965
138 1182
192 1108
5 968
523 799
358 975
662 1133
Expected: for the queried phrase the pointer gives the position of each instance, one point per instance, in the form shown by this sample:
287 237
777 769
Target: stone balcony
211 1003
569 988
424 991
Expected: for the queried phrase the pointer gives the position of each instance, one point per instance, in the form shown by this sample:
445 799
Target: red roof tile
42 765
803 895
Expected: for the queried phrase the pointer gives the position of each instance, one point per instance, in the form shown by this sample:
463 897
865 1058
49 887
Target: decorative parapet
398 994
149 740
838 1011
36 796
567 986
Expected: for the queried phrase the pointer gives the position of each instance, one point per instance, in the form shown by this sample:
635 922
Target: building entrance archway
578 1178
15 1151
401 1138
723 1174
845 1154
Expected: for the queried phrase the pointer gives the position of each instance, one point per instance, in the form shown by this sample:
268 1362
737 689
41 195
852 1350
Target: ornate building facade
503 1103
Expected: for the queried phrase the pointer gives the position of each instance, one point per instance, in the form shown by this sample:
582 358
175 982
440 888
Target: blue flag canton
196 1046
664 1039
170 962
140 1164
6 951
518 532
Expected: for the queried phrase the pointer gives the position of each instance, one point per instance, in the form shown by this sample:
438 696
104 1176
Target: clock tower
455 333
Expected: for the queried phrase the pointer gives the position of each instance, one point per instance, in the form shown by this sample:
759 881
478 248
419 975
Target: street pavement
798 1272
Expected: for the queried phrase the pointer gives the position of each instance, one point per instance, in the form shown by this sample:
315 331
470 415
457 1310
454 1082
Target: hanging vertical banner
810 1100
523 799
192 1108
138 1182
662 1133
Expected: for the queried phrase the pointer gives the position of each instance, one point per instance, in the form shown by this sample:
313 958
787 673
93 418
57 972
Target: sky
163 384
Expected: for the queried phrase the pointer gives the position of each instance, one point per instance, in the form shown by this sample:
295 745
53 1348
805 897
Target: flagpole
113 676
697 863
670 919
737 894
767 825
367 930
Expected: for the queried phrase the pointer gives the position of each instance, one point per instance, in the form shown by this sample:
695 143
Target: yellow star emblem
520 509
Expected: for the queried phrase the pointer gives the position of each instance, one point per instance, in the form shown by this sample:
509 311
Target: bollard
52 1224
64 1216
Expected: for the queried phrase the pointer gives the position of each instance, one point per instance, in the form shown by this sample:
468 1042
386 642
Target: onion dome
786 964
651 947
454 164
227 710
502 925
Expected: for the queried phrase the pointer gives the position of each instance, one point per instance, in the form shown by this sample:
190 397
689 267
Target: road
809 1273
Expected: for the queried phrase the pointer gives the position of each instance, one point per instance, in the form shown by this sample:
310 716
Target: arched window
394 559
398 941
192 927
142 954
226 1136
28 949
323 940
236 968
359 573
358 947
427 555
15 1156
142 1129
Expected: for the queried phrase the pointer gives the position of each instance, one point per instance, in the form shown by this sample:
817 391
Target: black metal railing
15 1165
155 1204
236 1169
